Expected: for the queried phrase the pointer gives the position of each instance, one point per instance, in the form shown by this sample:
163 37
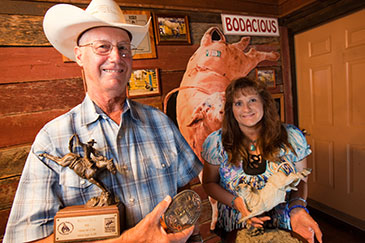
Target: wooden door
330 65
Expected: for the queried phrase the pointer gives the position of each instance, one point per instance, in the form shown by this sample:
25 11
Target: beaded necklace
253 145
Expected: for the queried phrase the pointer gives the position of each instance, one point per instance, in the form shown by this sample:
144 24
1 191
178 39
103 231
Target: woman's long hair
272 135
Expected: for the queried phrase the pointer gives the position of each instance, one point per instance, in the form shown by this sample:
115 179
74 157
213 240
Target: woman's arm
301 222
302 192
211 186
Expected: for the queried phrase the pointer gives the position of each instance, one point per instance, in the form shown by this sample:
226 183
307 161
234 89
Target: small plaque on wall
143 83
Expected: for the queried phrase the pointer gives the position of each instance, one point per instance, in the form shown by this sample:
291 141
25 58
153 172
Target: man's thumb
161 207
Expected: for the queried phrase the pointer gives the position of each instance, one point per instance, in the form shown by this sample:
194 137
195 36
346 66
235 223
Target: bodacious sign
246 25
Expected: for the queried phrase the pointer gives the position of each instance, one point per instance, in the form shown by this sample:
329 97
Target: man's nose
114 54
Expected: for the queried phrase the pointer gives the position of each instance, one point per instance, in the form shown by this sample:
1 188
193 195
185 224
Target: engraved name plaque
78 223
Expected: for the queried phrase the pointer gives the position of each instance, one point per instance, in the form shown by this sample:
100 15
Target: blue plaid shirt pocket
73 185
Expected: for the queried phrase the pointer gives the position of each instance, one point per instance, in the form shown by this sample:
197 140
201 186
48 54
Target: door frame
310 16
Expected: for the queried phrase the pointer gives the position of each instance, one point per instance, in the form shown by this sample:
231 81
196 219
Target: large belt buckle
183 212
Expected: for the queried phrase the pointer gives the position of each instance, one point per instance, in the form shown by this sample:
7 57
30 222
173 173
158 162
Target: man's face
106 75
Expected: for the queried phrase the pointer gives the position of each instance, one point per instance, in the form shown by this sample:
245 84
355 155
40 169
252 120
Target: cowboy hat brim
63 23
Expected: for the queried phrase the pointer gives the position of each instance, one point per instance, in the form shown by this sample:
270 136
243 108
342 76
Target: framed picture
171 29
266 75
279 102
147 48
144 82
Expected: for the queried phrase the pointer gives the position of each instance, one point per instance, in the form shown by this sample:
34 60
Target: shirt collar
90 112
130 106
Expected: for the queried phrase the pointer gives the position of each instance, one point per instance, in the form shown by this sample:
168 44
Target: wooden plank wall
37 86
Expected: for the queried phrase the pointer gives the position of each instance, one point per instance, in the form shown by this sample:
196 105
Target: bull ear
197 117
243 43
213 34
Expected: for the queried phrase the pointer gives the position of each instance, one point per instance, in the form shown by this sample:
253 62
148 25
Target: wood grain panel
4 215
317 13
22 129
171 80
7 191
355 155
169 58
21 30
35 103
40 96
24 7
319 47
37 63
321 95
20 64
207 234
12 160
286 75
323 162
266 7
356 87
354 37
286 7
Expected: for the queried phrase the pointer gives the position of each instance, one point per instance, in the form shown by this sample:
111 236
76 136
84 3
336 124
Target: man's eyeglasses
103 48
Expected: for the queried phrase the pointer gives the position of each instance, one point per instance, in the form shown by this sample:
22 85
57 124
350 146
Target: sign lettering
247 25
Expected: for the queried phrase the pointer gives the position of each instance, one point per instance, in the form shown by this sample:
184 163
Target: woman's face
248 109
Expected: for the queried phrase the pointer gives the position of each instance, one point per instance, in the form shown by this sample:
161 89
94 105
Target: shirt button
163 165
83 182
119 137
132 200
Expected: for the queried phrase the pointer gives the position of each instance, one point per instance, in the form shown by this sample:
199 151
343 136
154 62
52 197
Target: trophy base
80 223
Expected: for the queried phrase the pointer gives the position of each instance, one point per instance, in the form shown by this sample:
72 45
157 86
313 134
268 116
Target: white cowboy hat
63 24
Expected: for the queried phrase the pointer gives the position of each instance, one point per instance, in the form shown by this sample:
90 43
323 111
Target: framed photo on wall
279 102
147 48
266 75
171 29
143 83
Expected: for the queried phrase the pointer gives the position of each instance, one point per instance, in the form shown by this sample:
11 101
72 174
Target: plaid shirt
152 158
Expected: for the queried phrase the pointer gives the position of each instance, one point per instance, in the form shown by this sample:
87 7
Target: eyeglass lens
102 47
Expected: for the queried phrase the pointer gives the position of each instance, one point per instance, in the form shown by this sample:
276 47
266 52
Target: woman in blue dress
251 146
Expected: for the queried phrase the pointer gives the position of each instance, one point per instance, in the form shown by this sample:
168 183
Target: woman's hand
304 225
254 221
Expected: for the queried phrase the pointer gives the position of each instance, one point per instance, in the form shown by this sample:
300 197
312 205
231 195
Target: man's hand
304 225
149 229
